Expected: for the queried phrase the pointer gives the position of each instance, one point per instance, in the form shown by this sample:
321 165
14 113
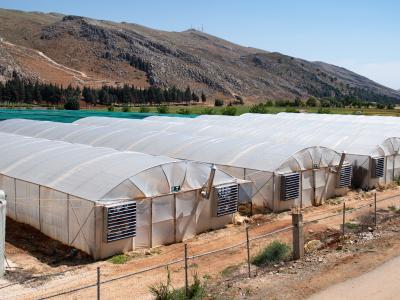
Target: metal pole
98 283
375 220
186 273
344 217
248 251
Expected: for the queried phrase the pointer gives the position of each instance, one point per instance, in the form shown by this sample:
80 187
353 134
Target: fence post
375 219
344 218
248 250
98 283
186 273
298 235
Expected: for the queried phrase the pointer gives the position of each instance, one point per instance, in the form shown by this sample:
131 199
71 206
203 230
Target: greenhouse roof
230 151
96 173
362 138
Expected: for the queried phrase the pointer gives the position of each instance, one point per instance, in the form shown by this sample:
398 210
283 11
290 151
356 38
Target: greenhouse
372 147
104 201
281 175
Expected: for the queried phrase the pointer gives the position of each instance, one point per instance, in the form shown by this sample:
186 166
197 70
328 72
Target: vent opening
290 186
345 176
378 167
226 197
120 221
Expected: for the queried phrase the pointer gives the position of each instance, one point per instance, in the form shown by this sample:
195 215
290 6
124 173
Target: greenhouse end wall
80 223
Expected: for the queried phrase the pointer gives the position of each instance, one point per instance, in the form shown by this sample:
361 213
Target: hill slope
83 51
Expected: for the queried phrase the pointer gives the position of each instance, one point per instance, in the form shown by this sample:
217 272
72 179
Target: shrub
165 291
72 105
273 253
218 102
119 259
258 109
111 108
292 110
207 111
126 108
311 102
162 109
230 270
351 225
380 106
144 109
390 106
184 111
229 111
323 110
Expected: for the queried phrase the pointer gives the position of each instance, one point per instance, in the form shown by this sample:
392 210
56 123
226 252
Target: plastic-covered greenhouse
371 146
282 175
104 201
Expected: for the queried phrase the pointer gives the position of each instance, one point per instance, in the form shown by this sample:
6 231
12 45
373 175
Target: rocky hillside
82 51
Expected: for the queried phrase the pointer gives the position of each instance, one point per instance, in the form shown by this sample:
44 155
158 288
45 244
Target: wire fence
213 262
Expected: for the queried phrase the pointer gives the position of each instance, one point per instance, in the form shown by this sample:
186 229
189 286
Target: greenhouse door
307 188
389 175
396 166
320 181
186 206
163 220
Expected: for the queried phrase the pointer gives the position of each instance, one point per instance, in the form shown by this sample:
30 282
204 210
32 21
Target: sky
361 35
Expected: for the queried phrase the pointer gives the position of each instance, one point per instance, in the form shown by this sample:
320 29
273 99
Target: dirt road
381 283
72 277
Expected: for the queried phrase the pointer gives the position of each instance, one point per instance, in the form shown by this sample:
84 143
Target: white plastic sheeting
258 160
360 137
3 204
62 188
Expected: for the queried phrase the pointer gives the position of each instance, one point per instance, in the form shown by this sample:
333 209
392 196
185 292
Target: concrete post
3 213
298 235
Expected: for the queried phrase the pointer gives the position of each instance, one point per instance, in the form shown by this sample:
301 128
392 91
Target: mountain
83 51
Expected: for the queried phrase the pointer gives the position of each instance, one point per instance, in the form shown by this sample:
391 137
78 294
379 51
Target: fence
212 262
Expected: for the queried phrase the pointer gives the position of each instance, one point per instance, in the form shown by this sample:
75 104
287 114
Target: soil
375 284
39 267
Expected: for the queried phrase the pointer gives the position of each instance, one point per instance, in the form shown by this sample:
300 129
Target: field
277 109
240 109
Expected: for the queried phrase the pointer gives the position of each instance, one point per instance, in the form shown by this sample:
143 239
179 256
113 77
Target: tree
187 95
311 102
229 111
297 102
72 104
218 102
258 109
203 97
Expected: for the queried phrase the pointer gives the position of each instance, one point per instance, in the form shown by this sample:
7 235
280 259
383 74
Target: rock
312 246
370 229
240 220
320 259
